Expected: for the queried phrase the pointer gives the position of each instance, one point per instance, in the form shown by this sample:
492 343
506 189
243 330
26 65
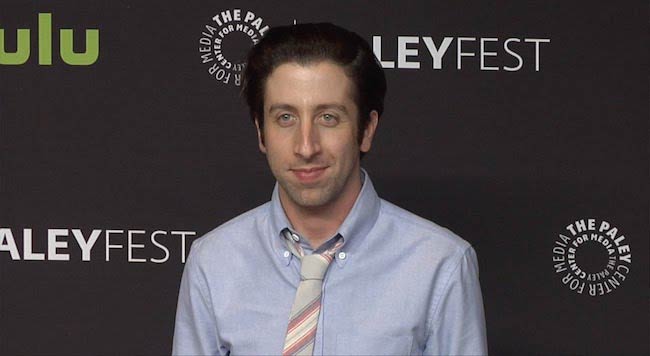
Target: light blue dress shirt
399 285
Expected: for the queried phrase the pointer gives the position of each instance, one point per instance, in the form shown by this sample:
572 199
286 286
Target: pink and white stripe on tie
303 319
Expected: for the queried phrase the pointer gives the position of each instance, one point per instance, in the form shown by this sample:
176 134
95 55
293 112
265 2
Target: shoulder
410 229
235 234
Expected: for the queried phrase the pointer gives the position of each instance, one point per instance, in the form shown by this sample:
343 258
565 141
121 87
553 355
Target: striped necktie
303 318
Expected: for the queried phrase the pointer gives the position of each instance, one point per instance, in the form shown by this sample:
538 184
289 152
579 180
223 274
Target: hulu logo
68 55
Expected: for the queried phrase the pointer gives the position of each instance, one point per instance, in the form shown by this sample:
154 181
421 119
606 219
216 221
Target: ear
260 136
369 132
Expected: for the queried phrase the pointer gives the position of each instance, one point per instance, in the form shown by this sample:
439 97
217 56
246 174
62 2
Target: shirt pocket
359 343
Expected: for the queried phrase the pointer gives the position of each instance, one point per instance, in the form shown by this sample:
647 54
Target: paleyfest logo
592 257
132 246
225 41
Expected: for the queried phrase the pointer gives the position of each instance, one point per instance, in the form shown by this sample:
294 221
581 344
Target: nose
307 139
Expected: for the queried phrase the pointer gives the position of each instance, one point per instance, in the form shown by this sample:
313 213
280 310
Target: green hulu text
66 51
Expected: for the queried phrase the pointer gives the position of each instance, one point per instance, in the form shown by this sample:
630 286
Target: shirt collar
359 221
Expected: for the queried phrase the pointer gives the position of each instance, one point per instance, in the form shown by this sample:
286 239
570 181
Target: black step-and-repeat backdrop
521 126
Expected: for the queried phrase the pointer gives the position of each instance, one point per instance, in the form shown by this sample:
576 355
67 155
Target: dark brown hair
309 43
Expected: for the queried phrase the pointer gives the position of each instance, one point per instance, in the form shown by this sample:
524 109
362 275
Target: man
326 267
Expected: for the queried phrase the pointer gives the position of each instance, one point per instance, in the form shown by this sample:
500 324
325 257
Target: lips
307 175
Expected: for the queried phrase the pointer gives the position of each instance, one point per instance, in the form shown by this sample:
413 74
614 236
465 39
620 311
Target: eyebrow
338 107
319 107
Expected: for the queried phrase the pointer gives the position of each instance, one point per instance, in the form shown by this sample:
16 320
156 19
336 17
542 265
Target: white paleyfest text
409 52
134 246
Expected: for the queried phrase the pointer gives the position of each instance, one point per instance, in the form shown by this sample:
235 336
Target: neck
317 224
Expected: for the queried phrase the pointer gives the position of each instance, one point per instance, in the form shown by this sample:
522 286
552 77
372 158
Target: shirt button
342 255
286 254
295 237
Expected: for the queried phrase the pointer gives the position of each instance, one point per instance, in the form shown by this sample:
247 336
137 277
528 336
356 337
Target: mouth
308 174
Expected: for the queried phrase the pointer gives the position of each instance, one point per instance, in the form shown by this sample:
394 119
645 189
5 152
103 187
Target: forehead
312 84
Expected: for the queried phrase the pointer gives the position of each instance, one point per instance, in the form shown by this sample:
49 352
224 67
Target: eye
285 119
329 119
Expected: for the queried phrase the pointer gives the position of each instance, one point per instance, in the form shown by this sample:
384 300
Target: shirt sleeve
458 320
195 331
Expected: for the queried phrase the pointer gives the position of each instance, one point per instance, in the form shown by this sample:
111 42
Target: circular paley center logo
592 257
225 41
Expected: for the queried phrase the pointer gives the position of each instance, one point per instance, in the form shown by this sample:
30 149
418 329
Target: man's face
310 126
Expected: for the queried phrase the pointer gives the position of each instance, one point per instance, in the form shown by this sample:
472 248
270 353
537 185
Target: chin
309 198
312 200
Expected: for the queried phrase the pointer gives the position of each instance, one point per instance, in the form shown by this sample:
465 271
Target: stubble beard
317 196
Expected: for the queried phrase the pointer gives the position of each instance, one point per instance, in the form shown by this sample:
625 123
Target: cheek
342 146
274 140
278 149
